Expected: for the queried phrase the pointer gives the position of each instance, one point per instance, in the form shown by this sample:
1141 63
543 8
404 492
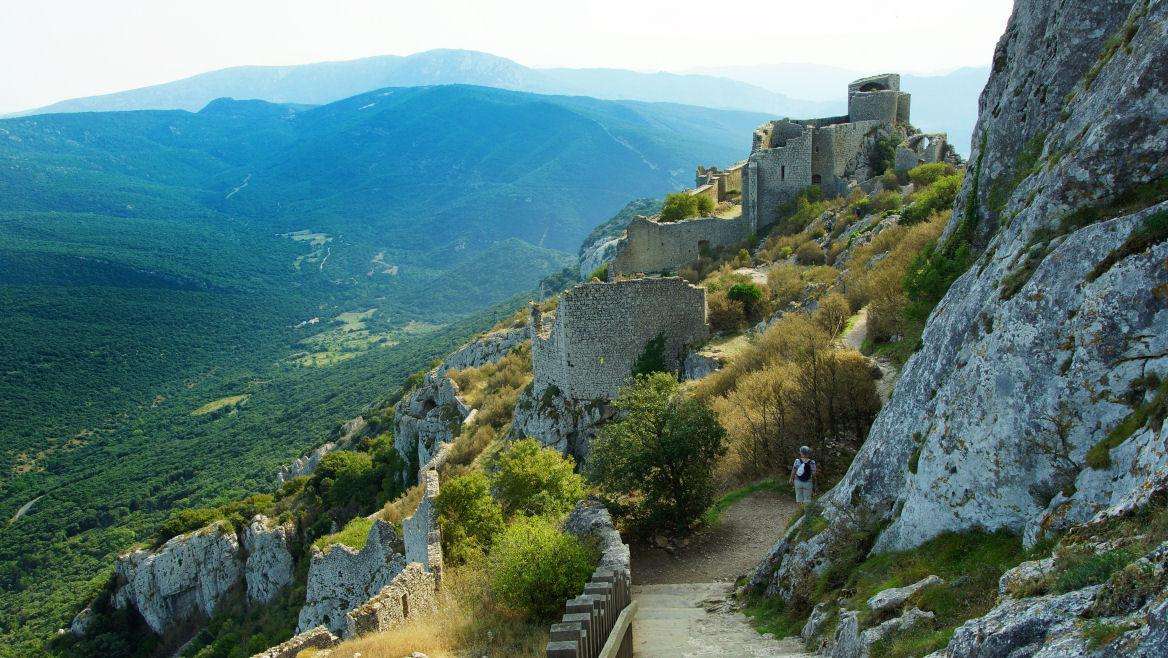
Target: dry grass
402 506
493 388
468 622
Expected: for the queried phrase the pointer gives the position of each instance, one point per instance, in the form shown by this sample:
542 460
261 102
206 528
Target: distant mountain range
941 103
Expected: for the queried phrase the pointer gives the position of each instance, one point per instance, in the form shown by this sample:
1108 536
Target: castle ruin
600 329
787 157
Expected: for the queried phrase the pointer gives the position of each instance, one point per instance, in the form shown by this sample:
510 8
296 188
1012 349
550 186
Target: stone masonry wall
602 328
411 591
882 106
835 150
420 531
774 176
660 247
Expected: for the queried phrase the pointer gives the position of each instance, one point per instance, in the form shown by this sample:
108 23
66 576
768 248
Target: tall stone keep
601 329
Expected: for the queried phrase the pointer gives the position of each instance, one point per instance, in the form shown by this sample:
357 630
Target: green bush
187 520
535 480
469 517
886 200
599 273
934 198
682 205
536 567
929 276
652 358
657 461
928 173
749 294
345 478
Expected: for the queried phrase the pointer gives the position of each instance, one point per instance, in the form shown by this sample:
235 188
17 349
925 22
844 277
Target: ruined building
787 157
583 356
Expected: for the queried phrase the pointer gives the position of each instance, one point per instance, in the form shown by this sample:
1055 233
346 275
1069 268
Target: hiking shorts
803 491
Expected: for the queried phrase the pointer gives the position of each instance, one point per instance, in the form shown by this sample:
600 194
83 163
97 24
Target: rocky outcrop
1048 341
182 582
268 568
342 578
851 642
432 414
307 464
893 599
558 421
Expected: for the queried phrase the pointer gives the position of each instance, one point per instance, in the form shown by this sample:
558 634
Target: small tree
682 205
469 518
658 459
346 479
534 480
535 567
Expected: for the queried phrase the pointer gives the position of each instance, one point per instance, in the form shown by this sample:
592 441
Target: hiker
803 474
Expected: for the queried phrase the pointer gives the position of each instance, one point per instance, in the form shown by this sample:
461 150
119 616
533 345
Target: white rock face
1027 362
183 580
342 579
559 422
892 599
269 559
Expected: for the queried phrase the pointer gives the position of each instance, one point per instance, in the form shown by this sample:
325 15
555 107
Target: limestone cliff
1056 335
341 579
184 580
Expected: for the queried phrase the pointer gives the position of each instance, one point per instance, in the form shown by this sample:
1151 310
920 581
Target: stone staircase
695 619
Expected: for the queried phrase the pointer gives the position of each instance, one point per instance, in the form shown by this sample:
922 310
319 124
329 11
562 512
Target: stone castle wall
834 154
412 591
420 531
885 106
654 247
776 174
601 329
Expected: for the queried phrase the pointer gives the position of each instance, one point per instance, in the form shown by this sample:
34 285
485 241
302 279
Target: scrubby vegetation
683 205
655 465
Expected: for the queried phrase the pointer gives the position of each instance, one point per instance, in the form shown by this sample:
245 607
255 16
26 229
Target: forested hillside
192 299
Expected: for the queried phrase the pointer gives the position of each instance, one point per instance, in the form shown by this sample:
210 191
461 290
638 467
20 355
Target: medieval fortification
787 158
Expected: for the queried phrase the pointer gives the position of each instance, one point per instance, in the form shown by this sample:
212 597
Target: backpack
804 469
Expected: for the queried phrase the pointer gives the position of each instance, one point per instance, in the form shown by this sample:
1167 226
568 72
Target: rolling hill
194 298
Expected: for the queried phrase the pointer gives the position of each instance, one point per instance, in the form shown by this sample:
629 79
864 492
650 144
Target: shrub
536 567
886 200
659 458
682 205
599 273
810 253
1128 589
934 198
469 517
929 276
652 358
833 313
785 284
927 174
725 314
345 478
183 521
535 480
749 294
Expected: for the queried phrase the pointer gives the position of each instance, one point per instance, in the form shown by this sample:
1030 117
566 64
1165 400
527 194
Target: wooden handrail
620 639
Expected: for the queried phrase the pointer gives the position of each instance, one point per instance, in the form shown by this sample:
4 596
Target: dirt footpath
742 537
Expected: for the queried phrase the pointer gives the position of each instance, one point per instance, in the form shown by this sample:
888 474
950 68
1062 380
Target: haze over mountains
945 103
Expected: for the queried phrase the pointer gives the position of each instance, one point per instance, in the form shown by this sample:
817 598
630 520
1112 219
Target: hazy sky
56 49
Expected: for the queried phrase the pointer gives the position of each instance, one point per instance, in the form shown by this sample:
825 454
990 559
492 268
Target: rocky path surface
684 596
854 338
